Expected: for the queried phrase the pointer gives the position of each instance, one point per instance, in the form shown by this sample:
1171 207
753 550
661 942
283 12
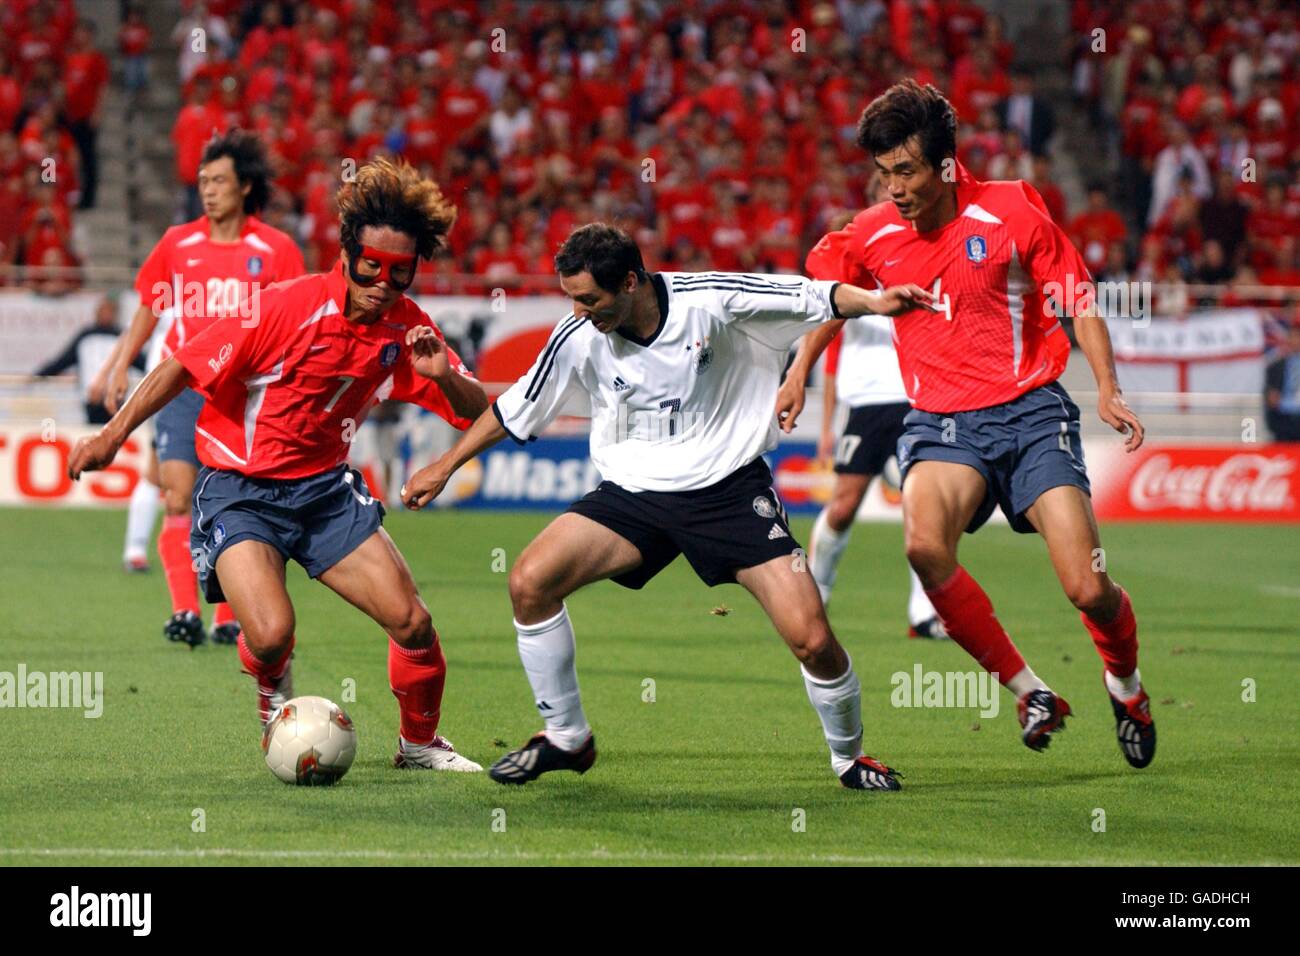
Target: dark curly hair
248 154
609 254
905 110
393 194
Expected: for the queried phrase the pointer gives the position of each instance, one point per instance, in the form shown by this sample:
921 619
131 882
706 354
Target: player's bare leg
571 551
830 538
252 576
177 482
789 596
939 500
1064 517
375 578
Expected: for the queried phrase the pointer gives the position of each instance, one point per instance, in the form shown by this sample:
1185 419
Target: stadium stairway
136 199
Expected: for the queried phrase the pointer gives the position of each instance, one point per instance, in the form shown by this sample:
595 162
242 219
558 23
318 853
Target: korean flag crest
254 265
977 250
389 355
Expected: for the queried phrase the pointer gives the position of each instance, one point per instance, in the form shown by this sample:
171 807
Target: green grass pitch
715 770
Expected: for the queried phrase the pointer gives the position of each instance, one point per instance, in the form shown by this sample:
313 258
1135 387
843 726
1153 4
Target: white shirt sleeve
529 405
776 310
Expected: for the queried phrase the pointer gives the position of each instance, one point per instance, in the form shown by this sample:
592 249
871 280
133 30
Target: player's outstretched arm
431 359
852 301
790 399
1094 339
427 483
158 388
128 346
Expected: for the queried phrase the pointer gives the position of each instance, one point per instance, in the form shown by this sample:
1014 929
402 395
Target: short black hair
905 110
248 154
608 253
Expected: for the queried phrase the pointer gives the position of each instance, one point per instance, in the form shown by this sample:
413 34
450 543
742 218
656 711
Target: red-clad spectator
1053 198
262 40
731 244
11 95
978 83
196 123
499 263
604 90
133 41
463 107
777 226
1179 230
683 204
1269 225
1095 229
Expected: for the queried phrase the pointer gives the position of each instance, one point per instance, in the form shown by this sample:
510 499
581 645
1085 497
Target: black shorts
870 438
734 524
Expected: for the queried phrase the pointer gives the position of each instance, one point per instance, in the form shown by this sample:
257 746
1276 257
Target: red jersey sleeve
154 270
230 348
1053 263
410 386
838 256
288 259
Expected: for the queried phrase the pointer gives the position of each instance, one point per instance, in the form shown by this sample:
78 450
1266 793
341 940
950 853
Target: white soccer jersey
868 371
692 403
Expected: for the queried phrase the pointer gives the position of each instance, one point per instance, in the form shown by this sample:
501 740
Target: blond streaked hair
393 194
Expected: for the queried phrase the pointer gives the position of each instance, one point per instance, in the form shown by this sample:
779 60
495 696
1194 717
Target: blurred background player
87 352
284 394
861 371
200 272
991 425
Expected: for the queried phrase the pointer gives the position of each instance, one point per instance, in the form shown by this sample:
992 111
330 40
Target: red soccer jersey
194 280
287 392
994 339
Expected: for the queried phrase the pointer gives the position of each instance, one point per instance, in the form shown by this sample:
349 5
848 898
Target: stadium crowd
719 134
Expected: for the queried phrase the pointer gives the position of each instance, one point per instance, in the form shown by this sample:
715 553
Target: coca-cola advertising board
1196 482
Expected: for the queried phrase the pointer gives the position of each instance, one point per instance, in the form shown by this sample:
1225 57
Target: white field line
591 856
1281 590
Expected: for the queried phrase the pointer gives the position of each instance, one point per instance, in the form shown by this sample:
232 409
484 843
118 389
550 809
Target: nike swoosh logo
317 348
892 262
192 262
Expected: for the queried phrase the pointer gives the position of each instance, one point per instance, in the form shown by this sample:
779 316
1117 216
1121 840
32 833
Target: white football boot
439 755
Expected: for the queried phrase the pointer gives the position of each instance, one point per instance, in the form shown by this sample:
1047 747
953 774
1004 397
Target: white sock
547 651
1025 681
140 518
919 608
827 546
1124 687
838 703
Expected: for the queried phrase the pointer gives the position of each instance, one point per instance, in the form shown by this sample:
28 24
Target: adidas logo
543 705
776 532
620 385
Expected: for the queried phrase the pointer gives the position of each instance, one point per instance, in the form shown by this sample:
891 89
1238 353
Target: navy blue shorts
1022 449
173 428
317 521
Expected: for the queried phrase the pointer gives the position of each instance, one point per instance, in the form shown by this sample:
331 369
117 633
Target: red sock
222 615
417 677
967 615
1116 640
178 565
264 672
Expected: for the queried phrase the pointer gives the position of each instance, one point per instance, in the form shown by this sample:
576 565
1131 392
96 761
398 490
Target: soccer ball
309 741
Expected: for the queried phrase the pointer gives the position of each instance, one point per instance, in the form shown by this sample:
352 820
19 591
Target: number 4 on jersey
942 302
